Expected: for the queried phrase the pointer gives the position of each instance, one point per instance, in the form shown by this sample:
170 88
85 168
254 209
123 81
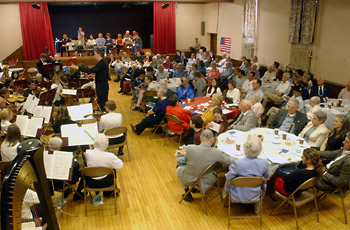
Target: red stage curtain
36 30
164 28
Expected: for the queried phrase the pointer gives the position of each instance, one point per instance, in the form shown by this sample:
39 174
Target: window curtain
164 28
249 17
36 30
302 21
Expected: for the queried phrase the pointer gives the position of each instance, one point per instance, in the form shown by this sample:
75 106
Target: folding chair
146 95
96 172
303 198
198 185
117 131
176 120
246 182
339 190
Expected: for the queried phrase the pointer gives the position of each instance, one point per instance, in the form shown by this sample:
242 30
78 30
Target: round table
269 86
331 112
274 149
172 83
204 102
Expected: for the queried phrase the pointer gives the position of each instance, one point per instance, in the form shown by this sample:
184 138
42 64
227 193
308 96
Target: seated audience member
177 57
220 120
213 73
185 90
101 43
118 64
214 88
255 62
291 120
183 59
315 132
201 55
276 69
277 98
269 75
247 85
255 70
338 169
137 44
199 85
320 89
233 93
247 119
131 74
119 43
147 59
180 113
257 107
80 43
222 62
345 93
201 65
139 85
138 57
191 61
168 64
256 84
249 166
31 89
247 66
6 116
9 146
198 158
109 42
310 166
154 62
224 76
112 120
161 73
91 42
194 133
212 56
306 79
315 105
126 57
65 40
241 78
193 70
337 134
297 94
207 62
304 94
57 84
208 115
180 72
155 115
97 157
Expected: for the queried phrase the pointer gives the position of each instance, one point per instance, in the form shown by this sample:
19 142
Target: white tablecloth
172 85
274 149
269 86
333 111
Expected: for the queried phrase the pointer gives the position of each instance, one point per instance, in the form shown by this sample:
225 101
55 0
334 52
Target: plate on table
276 141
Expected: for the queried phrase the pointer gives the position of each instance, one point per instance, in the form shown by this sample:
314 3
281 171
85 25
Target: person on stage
101 77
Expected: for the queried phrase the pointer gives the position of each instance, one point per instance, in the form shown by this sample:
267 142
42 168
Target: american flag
225 45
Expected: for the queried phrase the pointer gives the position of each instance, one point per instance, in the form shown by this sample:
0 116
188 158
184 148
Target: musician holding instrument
112 120
101 78
59 85
6 116
32 89
44 59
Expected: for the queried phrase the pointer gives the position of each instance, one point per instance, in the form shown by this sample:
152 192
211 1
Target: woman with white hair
257 107
250 166
315 105
316 132
97 157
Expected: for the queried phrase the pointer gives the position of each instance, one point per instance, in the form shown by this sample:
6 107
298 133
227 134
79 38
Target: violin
97 115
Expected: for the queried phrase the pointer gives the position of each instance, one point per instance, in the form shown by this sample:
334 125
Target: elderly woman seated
97 157
250 166
315 132
208 115
315 105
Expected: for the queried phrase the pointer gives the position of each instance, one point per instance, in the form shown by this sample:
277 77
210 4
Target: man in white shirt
247 85
277 98
269 74
256 83
222 62
201 55
191 61
255 61
345 93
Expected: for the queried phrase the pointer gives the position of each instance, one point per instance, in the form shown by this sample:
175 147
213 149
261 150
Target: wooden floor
150 194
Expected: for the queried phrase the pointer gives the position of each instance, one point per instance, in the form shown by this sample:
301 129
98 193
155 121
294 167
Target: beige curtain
249 17
302 21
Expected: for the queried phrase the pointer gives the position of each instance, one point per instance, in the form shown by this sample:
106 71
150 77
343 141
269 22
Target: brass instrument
26 169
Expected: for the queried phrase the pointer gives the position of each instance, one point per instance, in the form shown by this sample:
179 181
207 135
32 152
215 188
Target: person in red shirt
180 113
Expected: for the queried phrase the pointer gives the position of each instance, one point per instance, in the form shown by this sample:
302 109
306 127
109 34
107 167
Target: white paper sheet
58 165
226 111
43 111
214 126
29 127
69 92
30 104
78 112
83 135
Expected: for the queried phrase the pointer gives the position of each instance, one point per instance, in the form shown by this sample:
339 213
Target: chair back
307 184
248 181
96 171
173 118
116 131
150 93
209 169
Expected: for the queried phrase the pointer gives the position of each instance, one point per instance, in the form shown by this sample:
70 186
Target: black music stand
47 97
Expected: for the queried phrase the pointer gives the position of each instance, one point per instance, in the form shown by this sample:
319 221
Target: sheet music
31 103
43 111
58 165
77 112
69 92
29 127
83 135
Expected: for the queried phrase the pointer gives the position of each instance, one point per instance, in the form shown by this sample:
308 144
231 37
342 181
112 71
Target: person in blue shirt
180 72
101 43
185 90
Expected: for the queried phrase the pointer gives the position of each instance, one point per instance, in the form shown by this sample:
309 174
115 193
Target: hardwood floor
150 194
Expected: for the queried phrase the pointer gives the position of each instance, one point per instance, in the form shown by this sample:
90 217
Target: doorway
213 43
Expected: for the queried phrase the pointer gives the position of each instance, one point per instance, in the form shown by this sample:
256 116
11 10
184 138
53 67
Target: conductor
101 77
